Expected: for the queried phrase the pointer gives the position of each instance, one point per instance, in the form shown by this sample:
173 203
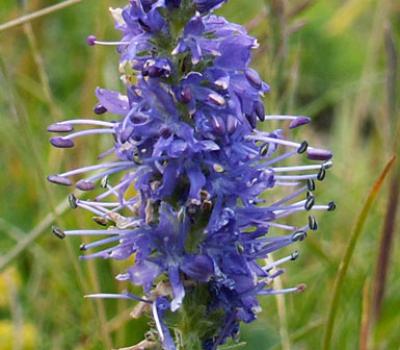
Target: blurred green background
336 61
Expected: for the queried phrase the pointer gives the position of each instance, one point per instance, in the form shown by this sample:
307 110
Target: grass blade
37 14
365 317
344 265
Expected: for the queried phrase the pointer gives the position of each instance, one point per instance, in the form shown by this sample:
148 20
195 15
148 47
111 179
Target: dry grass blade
37 14
31 236
365 317
389 227
344 265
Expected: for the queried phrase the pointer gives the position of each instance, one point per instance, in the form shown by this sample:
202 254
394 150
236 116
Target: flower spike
190 187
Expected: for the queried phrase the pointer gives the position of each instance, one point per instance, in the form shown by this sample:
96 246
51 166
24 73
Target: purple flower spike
185 193
61 142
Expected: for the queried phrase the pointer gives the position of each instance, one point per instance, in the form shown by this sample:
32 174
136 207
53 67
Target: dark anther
311 185
100 220
58 232
99 109
312 223
309 203
331 206
321 174
303 147
299 236
104 182
82 247
264 149
72 201
294 255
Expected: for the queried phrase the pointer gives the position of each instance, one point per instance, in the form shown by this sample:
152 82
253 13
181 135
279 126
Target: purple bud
231 124
253 78
218 125
198 267
259 109
186 95
84 185
216 99
165 132
59 180
299 122
173 3
318 154
61 142
252 118
91 40
99 109
60 128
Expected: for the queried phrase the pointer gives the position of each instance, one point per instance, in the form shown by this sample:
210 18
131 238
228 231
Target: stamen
99 243
96 232
91 40
88 132
96 167
85 185
321 174
58 232
299 236
296 177
72 200
312 223
129 296
303 147
69 123
59 180
61 142
60 128
311 185
301 168
276 263
157 321
309 203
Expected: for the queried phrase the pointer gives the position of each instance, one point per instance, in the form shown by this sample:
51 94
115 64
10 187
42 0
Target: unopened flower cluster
187 187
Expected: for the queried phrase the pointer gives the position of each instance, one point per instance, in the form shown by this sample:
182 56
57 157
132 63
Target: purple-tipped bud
61 142
198 267
84 185
165 132
253 78
60 128
231 124
259 109
318 154
218 125
99 109
186 95
216 99
91 40
59 180
252 118
295 123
